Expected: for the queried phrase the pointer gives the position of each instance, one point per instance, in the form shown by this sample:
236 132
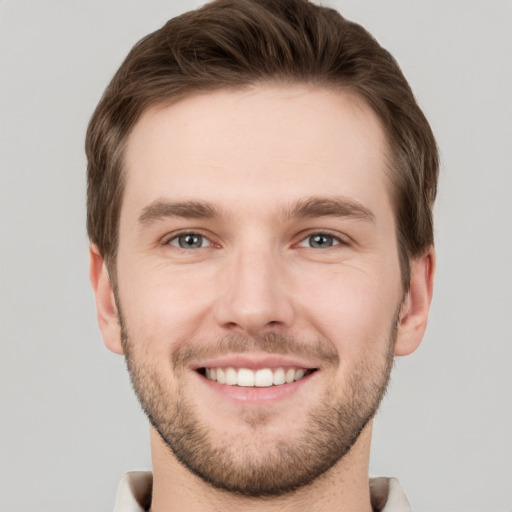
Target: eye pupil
320 241
190 241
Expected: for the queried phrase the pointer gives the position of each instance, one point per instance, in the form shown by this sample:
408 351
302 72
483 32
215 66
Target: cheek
161 306
353 309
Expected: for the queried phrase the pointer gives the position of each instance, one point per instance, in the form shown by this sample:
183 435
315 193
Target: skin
276 147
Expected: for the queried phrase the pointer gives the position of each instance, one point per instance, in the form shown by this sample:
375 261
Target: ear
414 311
105 303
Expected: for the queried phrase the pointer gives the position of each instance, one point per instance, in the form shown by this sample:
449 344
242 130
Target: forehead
264 145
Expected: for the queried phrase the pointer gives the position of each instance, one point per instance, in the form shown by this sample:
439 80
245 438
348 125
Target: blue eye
189 241
320 241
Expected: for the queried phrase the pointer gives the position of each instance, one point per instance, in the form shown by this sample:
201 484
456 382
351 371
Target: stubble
261 466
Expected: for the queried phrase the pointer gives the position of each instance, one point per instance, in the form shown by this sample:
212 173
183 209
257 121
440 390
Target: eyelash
337 240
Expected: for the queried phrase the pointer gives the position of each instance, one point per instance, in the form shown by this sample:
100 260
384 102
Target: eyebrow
159 210
329 207
305 208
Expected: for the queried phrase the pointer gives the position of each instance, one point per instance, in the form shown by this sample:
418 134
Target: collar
134 493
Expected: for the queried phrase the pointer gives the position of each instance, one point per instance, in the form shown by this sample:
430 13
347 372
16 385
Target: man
260 193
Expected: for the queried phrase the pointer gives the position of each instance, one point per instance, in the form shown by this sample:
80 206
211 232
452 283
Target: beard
263 465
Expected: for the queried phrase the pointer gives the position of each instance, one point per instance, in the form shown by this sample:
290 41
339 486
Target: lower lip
256 395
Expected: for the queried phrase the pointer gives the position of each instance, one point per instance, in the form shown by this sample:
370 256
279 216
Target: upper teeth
262 378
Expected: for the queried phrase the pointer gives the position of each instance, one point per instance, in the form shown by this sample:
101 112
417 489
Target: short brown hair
237 43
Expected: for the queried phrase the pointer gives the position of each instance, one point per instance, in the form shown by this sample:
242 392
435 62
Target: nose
254 297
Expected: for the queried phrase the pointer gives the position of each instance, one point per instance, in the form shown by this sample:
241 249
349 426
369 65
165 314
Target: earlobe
414 312
106 308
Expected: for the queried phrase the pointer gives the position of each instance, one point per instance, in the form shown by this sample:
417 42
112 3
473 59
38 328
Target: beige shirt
134 494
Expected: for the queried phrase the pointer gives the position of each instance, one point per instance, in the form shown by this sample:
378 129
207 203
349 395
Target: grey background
69 424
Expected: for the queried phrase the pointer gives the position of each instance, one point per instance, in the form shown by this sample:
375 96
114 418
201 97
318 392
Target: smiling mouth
262 378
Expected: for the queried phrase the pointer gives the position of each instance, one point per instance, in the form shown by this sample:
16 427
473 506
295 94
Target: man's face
257 246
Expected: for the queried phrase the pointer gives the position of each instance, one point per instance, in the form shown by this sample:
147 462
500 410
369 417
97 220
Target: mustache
272 343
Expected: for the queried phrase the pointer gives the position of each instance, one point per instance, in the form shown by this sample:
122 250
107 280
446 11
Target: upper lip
254 362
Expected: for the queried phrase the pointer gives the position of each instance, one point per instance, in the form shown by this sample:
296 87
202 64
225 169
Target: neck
344 487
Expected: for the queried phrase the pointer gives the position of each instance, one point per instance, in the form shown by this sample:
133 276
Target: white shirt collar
134 493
